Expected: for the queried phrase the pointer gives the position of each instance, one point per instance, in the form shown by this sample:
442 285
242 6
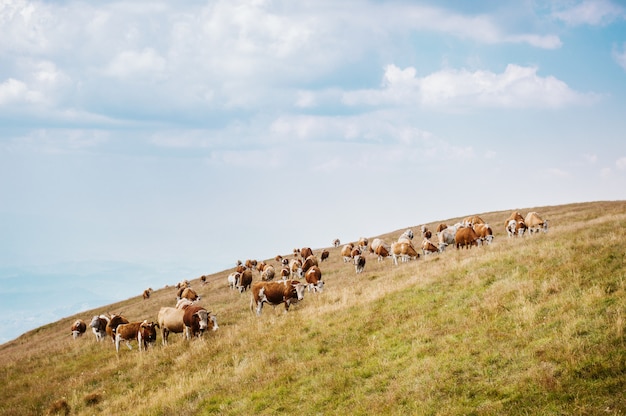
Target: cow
359 263
245 281
309 262
515 215
520 228
114 322
305 252
404 251
406 236
170 320
426 233
428 247
146 293
268 273
196 319
485 233
144 332
251 264
78 328
98 326
534 223
446 236
189 293
466 237
346 252
356 251
442 226
233 278
324 255
313 278
285 273
362 244
472 220
336 242
296 269
275 293
382 252
375 244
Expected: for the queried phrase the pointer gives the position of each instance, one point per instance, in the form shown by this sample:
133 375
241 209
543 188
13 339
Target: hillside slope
531 325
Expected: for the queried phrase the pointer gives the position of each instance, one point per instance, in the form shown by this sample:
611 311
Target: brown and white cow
232 279
144 332
78 328
362 244
446 236
535 223
146 293
268 273
114 322
406 236
305 252
251 264
426 233
485 233
309 262
98 326
313 278
275 293
324 255
196 319
404 251
346 252
296 269
466 237
189 293
336 242
382 252
245 281
428 247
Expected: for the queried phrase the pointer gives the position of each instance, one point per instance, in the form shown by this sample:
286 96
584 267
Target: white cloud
516 87
560 173
620 56
621 163
590 12
136 63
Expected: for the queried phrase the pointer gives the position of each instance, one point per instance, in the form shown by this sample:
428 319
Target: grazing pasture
523 326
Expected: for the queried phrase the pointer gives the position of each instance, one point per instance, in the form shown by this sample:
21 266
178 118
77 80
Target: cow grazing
78 328
324 255
114 322
382 252
485 233
308 263
535 224
362 244
336 242
472 220
313 279
245 281
406 236
346 252
232 279
196 320
98 326
285 273
359 263
515 215
296 269
377 242
466 237
305 252
146 293
144 332
428 247
425 232
404 251
189 293
275 293
251 264
446 236
268 273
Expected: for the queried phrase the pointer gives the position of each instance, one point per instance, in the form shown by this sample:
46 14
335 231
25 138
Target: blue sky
178 137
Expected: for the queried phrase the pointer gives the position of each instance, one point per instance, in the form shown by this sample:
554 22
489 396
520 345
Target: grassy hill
525 326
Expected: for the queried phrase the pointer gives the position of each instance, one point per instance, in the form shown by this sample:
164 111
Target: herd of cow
193 320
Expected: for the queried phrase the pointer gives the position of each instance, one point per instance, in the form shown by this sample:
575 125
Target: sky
146 142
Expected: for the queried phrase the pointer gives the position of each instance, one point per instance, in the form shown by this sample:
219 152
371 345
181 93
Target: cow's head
203 319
